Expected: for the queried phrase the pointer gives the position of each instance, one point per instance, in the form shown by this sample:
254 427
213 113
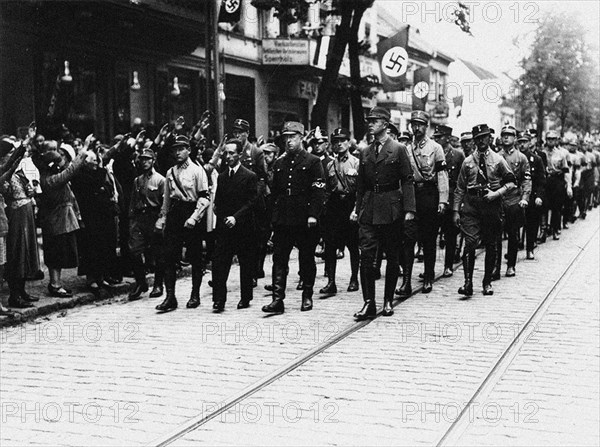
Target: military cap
551 134
269 147
508 130
393 129
442 130
420 116
466 136
181 140
405 135
148 153
292 127
340 134
379 112
532 132
480 130
241 124
523 136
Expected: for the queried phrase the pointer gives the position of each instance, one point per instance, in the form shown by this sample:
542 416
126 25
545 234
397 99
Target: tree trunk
334 61
358 117
541 99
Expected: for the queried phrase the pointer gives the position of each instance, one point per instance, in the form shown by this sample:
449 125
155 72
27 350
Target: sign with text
285 52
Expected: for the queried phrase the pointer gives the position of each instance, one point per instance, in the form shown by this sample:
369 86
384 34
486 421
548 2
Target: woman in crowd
58 213
97 239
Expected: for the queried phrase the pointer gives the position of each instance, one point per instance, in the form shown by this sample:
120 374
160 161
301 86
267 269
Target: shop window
79 104
239 102
178 93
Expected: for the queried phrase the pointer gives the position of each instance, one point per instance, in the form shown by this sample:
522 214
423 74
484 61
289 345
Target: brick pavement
148 373
403 380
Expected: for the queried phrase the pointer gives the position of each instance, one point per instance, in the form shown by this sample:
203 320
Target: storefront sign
285 52
306 89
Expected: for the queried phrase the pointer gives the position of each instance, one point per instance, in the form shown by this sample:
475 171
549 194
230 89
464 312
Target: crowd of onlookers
78 192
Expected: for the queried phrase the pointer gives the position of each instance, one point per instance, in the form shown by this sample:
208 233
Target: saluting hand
353 216
189 224
230 221
312 222
523 203
409 215
538 201
441 208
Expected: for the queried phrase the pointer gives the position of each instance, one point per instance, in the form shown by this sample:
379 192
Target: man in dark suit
298 195
234 201
384 210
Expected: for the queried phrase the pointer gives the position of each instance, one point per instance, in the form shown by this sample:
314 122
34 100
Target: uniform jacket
538 177
235 197
298 189
428 163
519 165
498 175
454 160
391 167
148 191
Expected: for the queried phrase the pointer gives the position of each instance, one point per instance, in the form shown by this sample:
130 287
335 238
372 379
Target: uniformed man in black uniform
341 173
146 202
385 209
298 195
483 179
431 194
454 160
538 190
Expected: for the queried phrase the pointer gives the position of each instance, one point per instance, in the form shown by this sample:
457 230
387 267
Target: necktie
377 147
231 172
482 165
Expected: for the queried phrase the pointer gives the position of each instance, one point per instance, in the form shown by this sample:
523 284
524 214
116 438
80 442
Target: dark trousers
285 237
340 232
428 223
228 243
514 219
481 222
532 224
142 237
388 238
451 232
176 235
555 195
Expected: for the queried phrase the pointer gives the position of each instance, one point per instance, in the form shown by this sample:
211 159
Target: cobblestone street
121 374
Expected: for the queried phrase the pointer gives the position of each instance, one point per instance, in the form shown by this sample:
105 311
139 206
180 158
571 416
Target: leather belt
377 188
420 185
477 192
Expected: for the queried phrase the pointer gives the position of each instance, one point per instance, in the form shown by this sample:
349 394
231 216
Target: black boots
405 290
157 288
279 283
307 303
468 266
330 288
367 278
170 302
388 310
138 288
194 300
492 262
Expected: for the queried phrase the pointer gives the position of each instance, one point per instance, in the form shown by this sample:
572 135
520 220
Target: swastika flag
393 61
231 11
420 88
